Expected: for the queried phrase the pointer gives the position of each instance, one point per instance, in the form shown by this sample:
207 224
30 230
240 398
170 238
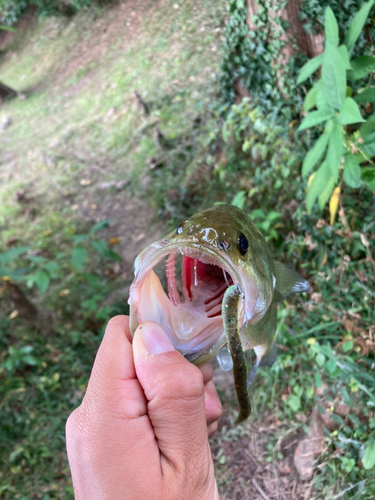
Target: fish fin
225 359
261 336
262 332
269 358
288 281
277 297
266 359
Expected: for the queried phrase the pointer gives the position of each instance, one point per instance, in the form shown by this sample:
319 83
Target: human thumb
174 389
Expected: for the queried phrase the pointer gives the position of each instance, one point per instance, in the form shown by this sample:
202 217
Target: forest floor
77 148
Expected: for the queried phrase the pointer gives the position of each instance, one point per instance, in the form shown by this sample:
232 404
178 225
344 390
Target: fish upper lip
160 252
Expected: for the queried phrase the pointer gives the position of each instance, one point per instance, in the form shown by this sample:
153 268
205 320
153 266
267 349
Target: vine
255 56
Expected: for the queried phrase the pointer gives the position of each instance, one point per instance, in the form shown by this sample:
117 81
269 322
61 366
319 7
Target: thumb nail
154 338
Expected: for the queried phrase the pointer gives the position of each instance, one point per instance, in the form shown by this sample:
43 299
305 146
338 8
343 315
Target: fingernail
154 338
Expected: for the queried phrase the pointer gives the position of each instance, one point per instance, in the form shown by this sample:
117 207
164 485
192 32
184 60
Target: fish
222 290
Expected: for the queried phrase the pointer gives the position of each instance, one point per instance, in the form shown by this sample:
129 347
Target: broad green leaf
79 257
12 254
309 68
103 224
361 66
368 177
52 268
323 104
36 258
314 155
357 24
310 98
330 366
331 29
368 459
318 380
349 112
325 196
29 360
335 151
15 274
368 146
4 27
318 185
320 359
113 255
42 280
347 346
239 199
367 95
294 402
367 128
79 238
329 126
352 171
343 51
5 271
314 118
100 246
333 76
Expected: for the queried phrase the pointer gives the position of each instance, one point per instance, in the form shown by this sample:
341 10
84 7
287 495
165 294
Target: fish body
227 277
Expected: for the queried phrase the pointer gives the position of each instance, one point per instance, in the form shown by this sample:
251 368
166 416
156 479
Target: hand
142 429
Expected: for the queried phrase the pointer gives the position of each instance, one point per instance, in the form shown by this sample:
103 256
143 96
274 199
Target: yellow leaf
310 180
47 232
13 314
64 292
5 278
114 241
334 204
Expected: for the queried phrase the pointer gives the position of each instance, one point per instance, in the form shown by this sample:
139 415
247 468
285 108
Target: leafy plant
344 151
11 10
32 266
18 356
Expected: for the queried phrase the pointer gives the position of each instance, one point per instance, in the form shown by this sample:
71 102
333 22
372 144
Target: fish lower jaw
189 311
186 324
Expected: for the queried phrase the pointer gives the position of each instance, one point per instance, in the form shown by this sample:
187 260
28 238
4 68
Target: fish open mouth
189 308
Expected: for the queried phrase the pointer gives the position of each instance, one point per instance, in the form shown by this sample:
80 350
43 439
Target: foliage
343 146
40 373
38 266
254 56
11 10
250 56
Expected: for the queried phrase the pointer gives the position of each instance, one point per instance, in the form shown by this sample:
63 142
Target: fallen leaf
85 182
13 314
64 292
310 447
115 240
138 237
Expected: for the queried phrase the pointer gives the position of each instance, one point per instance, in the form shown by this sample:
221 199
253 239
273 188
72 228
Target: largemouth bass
224 299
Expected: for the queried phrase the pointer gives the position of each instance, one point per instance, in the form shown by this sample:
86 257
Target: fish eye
243 244
180 227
